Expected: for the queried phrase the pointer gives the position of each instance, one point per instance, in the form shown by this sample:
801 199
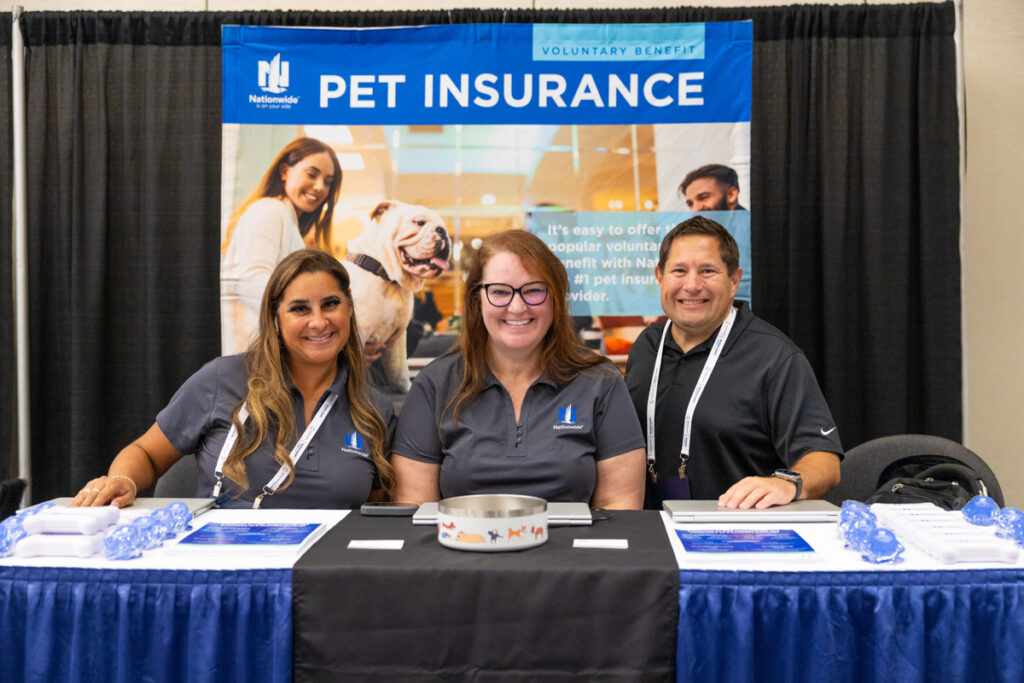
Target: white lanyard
282 473
705 374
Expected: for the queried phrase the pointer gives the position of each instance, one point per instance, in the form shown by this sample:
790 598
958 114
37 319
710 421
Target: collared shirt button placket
524 413
515 441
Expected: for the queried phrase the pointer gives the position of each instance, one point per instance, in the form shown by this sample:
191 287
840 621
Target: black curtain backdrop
854 197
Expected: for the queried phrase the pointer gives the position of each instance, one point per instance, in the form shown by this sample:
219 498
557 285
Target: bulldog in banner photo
403 246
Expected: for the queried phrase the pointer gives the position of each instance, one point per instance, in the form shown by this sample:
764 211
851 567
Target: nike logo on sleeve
825 432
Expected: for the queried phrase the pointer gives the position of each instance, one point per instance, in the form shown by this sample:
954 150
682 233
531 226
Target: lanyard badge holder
672 488
229 442
271 486
267 491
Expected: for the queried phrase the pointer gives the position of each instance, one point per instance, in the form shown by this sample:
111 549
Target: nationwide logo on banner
273 75
567 418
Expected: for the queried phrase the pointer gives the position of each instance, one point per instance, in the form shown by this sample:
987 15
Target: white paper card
386 544
606 543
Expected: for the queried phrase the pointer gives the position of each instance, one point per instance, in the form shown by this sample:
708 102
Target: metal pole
20 236
961 105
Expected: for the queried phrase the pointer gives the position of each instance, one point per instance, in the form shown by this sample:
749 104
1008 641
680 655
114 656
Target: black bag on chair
949 485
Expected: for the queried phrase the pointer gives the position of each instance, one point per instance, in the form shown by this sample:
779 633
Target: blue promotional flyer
597 138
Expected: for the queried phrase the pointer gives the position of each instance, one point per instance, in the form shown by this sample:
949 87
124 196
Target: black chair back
179 481
10 497
863 465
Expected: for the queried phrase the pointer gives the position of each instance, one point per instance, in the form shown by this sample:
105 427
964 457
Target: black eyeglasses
500 294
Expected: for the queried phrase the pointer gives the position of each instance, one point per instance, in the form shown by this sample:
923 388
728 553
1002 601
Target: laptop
708 512
150 504
559 514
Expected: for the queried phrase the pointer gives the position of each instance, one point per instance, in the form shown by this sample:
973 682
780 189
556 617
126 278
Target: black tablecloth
427 612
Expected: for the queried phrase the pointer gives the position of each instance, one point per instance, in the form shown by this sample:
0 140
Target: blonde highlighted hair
268 399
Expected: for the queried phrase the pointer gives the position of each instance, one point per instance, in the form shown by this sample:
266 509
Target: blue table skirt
62 624
851 626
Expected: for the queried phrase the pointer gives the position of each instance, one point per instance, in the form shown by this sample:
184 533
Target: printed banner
597 138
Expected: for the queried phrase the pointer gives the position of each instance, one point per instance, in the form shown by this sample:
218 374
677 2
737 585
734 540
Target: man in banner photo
578 133
712 187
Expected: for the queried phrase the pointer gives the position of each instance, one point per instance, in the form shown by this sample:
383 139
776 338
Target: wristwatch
790 475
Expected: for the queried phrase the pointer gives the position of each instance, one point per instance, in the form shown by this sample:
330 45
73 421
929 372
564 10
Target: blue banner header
489 74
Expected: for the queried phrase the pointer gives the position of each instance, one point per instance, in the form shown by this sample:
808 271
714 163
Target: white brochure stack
945 534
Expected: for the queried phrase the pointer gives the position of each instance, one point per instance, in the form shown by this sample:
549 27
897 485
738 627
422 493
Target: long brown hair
562 355
272 185
268 400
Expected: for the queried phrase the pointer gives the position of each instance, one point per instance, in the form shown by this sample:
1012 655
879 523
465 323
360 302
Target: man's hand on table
758 492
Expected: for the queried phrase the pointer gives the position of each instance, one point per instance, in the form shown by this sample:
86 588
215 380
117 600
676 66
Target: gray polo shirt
563 430
335 471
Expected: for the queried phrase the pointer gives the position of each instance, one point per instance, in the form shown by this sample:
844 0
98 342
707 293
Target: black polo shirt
761 410
563 430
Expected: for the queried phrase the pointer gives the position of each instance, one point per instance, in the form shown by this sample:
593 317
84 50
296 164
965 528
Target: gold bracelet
135 488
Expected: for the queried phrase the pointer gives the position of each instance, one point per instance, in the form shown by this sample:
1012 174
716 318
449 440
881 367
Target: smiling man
731 404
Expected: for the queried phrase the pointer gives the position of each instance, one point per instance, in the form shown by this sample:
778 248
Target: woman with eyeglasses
520 405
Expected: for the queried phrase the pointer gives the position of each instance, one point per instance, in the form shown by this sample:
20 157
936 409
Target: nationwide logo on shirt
354 444
567 418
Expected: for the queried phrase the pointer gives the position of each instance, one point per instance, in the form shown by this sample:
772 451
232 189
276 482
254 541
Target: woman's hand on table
138 465
116 490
